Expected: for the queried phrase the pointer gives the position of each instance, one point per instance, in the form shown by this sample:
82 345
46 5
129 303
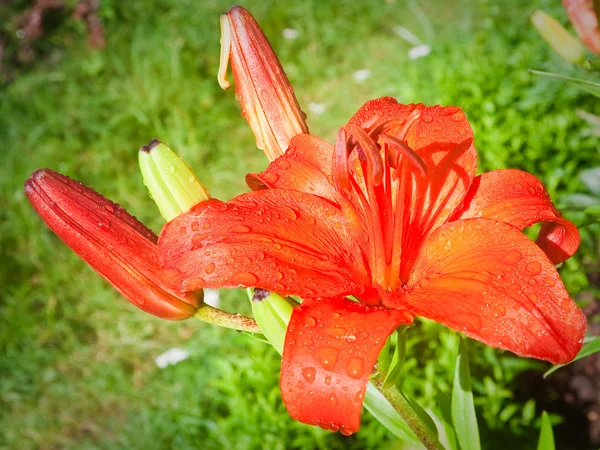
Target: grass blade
463 409
589 86
546 441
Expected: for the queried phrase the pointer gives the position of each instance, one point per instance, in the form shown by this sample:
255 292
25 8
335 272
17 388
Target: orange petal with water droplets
486 279
518 198
330 349
276 239
305 167
114 243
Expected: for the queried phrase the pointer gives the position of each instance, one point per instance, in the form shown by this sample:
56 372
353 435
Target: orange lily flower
393 215
113 242
583 17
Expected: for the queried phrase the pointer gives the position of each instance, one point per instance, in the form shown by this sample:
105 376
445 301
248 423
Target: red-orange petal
443 139
114 243
305 167
330 349
488 280
281 240
519 199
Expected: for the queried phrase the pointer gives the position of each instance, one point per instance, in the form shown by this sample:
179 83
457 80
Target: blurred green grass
77 362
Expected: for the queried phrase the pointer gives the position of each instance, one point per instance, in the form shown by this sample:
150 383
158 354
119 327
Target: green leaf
463 408
385 413
591 346
445 416
589 86
397 363
546 441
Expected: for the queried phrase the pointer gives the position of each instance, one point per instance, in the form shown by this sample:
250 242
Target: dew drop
109 208
533 297
327 380
195 226
346 431
500 311
270 177
355 367
427 118
458 117
284 164
333 399
197 241
309 374
350 338
518 187
531 190
549 281
241 229
327 357
210 268
533 268
336 315
513 256
311 322
245 278
104 225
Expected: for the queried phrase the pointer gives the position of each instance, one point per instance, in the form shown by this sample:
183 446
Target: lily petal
486 279
443 139
330 349
280 240
519 199
305 167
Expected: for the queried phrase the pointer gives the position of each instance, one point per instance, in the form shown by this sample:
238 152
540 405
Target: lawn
77 366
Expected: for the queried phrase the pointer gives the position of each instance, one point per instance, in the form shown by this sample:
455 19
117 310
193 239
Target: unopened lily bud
561 41
172 185
264 92
583 17
272 313
114 243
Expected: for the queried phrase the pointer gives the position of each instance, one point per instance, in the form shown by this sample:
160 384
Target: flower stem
207 313
407 412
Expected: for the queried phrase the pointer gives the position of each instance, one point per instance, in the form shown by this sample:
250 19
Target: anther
371 151
398 147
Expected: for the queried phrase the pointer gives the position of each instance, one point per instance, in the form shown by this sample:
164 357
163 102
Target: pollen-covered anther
372 153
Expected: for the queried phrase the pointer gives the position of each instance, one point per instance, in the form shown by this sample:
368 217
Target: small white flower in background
362 75
211 297
317 108
290 33
408 36
419 51
172 356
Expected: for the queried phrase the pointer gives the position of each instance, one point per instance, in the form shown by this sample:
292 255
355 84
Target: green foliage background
77 361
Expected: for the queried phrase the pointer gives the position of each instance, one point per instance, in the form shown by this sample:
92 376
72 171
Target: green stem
207 313
406 411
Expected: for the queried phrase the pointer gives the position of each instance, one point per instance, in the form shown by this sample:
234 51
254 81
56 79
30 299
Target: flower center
375 168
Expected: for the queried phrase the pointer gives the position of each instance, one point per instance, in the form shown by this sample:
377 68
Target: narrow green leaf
445 416
463 408
423 415
395 368
589 86
591 346
385 413
546 441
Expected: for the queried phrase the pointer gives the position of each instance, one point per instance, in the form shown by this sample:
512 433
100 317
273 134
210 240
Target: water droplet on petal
195 226
109 208
513 256
458 117
533 297
518 187
346 431
333 399
241 229
549 281
270 177
500 311
311 322
336 315
355 367
327 380
533 268
197 241
427 118
210 268
350 338
244 279
327 357
309 374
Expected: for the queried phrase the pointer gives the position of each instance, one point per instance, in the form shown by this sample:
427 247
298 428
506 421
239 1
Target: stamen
225 49
340 161
405 150
374 163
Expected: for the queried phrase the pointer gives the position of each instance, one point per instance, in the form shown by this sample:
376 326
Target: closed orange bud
113 242
264 92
